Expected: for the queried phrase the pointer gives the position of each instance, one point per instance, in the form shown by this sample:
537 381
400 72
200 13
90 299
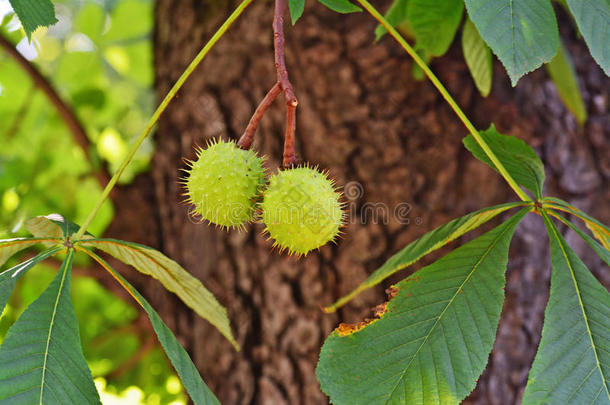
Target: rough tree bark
363 117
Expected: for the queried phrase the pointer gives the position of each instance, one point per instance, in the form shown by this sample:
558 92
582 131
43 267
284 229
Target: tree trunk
391 140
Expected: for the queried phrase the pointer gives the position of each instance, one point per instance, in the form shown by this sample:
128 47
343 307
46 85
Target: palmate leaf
8 247
517 157
427 243
435 23
191 379
593 20
51 226
478 58
599 230
522 33
572 365
433 340
34 14
601 251
9 278
41 357
173 277
563 74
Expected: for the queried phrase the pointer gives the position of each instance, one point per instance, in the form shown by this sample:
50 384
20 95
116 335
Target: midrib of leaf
475 267
52 323
581 304
512 31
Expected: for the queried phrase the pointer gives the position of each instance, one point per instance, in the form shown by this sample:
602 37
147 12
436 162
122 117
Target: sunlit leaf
200 393
427 243
41 356
572 365
341 6
478 58
599 230
522 33
8 247
593 19
435 23
433 340
173 277
517 157
9 277
563 74
34 14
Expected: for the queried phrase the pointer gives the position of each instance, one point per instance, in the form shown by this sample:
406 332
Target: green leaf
341 6
601 251
593 20
34 14
173 277
8 247
599 230
296 8
9 277
425 244
434 339
191 379
396 15
435 23
478 58
563 74
572 365
41 356
51 226
522 33
517 157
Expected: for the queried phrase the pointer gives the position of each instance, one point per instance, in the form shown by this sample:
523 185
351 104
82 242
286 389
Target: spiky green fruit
301 210
224 184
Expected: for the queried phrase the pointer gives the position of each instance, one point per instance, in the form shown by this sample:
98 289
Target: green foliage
478 58
427 243
518 158
434 23
198 390
34 14
341 6
173 277
433 340
601 251
563 74
573 360
593 19
522 33
9 277
41 354
296 8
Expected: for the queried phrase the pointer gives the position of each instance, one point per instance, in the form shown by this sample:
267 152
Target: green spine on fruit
301 210
224 184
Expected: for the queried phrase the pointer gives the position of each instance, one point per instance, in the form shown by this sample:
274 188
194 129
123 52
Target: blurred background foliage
98 58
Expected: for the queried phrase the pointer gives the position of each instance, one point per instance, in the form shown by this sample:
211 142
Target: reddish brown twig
282 85
246 139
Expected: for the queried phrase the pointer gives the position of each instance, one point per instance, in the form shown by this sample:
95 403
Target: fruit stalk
282 79
246 139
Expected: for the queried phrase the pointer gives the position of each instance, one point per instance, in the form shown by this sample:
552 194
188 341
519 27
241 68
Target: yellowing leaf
173 277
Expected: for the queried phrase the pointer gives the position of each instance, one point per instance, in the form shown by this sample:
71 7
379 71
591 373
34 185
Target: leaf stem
471 128
155 117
